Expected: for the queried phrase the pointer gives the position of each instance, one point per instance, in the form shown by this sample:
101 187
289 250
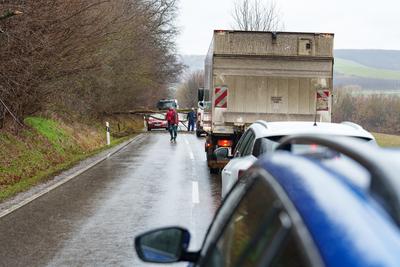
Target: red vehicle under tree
156 122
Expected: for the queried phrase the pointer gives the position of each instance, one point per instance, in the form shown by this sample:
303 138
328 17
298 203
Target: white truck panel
269 76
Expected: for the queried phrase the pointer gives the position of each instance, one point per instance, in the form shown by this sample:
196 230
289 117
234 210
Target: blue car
336 203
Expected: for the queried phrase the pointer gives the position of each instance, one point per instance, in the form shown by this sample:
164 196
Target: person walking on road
191 117
173 121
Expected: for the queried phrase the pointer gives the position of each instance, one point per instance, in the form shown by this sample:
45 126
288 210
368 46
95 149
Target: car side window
291 254
241 144
257 208
247 141
257 147
264 145
249 145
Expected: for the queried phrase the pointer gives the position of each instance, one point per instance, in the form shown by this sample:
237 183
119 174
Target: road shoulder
37 191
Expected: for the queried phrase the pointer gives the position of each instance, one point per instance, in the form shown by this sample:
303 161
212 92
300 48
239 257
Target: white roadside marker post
108 132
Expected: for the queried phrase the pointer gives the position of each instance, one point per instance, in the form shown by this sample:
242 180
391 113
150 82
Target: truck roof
258 43
276 32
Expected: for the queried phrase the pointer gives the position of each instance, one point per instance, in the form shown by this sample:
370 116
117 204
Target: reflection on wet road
91 220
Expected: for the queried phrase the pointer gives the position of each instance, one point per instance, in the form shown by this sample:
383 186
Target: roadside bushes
375 112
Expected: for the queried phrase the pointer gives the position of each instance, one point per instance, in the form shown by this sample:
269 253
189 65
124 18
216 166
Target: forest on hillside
86 56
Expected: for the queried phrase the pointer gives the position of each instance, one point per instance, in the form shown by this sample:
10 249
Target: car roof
349 227
284 128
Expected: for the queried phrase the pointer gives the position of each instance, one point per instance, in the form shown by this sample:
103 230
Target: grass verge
44 149
387 140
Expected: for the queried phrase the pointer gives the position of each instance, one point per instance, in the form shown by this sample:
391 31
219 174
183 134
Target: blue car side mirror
165 245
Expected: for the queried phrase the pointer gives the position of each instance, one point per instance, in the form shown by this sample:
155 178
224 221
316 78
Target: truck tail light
224 143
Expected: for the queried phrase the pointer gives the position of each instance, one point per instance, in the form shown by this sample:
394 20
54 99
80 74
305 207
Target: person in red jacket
173 121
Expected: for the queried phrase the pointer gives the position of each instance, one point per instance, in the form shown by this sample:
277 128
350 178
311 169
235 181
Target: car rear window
271 142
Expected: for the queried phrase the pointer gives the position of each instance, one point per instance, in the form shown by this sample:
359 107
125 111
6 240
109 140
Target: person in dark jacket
173 121
191 117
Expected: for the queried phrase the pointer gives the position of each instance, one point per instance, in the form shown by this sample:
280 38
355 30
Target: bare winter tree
86 56
187 91
256 15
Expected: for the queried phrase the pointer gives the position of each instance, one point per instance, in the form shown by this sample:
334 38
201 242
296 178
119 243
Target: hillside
379 59
46 146
352 68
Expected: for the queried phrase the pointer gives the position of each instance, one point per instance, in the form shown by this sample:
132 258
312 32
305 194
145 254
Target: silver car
263 137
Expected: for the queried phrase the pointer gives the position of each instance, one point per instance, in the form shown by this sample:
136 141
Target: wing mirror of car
222 153
165 245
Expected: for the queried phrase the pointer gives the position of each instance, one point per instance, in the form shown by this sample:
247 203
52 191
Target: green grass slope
375 58
387 140
46 147
351 68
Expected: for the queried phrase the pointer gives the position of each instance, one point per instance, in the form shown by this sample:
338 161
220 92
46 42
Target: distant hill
380 59
369 69
352 68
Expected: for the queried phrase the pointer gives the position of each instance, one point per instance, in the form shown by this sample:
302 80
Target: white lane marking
191 155
195 192
26 201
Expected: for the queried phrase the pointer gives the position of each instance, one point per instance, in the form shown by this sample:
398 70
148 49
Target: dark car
297 210
165 104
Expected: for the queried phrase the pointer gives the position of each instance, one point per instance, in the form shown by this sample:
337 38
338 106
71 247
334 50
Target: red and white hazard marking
323 100
221 97
322 94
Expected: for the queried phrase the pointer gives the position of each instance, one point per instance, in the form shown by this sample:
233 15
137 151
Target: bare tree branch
256 15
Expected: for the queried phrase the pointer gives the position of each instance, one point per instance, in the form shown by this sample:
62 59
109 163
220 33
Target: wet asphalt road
92 219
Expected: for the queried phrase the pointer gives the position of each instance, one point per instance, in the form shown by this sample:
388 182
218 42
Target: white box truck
273 76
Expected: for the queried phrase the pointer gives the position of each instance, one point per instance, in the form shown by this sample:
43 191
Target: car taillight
207 145
224 143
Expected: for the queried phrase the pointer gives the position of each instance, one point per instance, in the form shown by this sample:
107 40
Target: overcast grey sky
357 24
